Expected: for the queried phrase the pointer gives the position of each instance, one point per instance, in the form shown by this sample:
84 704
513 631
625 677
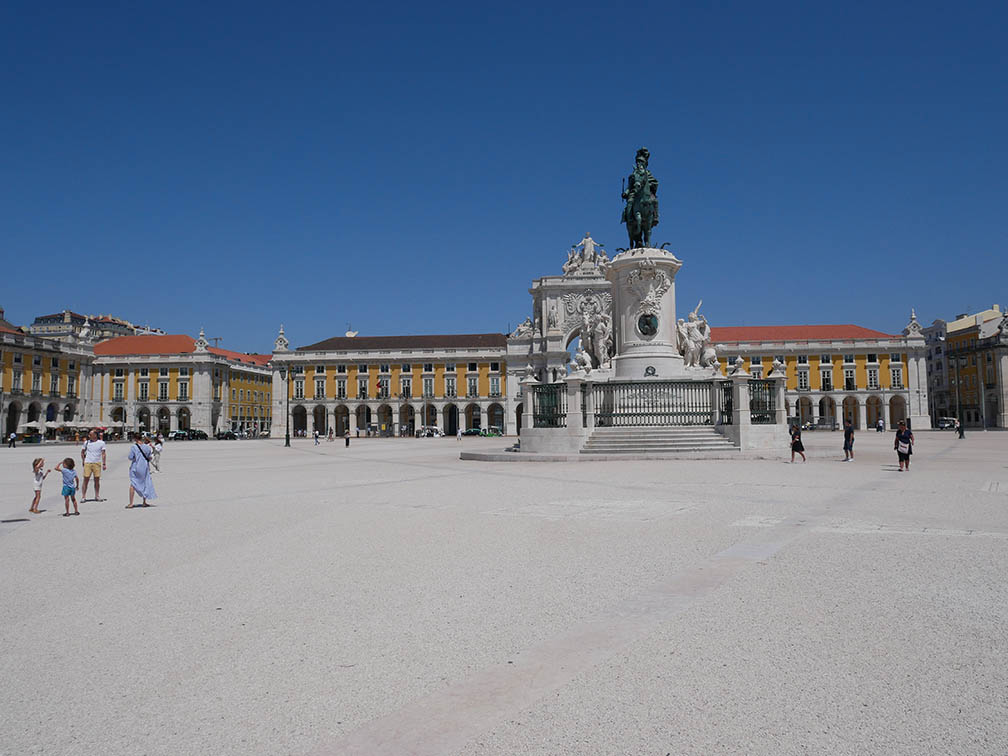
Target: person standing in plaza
346 438
70 482
904 446
139 473
40 477
315 436
848 440
11 439
797 447
157 447
93 461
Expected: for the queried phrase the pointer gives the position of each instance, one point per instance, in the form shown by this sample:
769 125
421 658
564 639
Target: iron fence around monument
762 406
549 405
654 403
725 403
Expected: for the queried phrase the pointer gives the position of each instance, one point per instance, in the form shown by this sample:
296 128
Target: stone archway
473 416
874 411
897 410
851 411
164 420
68 413
34 412
52 412
451 420
143 419
363 417
519 411
299 420
320 420
495 416
184 418
430 416
407 420
827 411
385 420
804 409
13 418
342 419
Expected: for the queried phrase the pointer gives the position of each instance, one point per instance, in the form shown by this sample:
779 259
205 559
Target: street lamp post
285 377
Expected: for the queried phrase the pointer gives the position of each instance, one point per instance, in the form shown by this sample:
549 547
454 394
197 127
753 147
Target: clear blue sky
411 168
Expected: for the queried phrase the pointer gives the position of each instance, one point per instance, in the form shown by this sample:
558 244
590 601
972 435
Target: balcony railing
319 395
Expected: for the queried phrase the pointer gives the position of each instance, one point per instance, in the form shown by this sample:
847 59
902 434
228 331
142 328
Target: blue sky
411 169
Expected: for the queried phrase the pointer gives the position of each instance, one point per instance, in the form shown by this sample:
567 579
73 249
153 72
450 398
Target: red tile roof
6 327
426 341
178 343
729 334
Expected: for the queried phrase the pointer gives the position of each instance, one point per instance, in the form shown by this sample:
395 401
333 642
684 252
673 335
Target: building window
216 392
54 385
803 359
183 371
848 359
144 391
17 358
320 388
872 357
362 388
757 371
406 388
234 394
428 387
873 378
341 388
299 388
495 367
825 358
54 362
119 373
320 369
895 357
71 385
826 378
144 372
450 367
36 361
341 369
383 368
383 387
755 361
848 380
428 367
495 385
449 387
298 370
362 368
163 392
803 380
473 387
36 383
117 391
472 367
405 368
163 372
897 377
779 358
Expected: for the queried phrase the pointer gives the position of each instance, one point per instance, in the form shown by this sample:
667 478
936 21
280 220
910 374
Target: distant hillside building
62 325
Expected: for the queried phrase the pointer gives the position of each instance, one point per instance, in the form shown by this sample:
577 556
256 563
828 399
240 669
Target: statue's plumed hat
644 151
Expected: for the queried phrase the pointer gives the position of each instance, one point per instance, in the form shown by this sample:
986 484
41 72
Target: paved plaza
392 599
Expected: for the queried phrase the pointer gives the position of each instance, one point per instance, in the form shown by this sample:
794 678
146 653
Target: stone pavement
391 598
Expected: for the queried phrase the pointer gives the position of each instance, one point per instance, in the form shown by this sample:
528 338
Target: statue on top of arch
586 258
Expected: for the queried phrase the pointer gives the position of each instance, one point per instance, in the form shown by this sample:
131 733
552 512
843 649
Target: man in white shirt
93 459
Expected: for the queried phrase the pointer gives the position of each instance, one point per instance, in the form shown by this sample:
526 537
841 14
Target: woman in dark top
848 441
904 446
796 444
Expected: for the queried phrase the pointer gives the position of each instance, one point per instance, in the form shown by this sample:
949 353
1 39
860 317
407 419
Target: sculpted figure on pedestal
640 214
524 329
694 337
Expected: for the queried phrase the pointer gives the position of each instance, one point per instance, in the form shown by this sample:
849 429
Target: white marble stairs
658 440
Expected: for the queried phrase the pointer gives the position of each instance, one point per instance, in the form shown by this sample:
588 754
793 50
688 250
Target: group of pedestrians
902 445
144 455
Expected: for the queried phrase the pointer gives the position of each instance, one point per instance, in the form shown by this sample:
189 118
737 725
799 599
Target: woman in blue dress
139 472
904 446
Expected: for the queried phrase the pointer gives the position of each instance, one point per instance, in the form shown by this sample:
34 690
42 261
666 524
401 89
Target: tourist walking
904 446
315 436
346 438
848 440
797 447
157 447
139 473
93 462
11 439
40 477
70 483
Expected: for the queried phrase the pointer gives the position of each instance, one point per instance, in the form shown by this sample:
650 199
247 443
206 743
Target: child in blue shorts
70 483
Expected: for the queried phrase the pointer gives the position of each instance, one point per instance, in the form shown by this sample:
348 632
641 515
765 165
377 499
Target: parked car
493 430
178 435
946 423
226 435
429 431
472 432
197 434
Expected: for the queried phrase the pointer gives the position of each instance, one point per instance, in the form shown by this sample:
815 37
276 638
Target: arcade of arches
863 411
384 419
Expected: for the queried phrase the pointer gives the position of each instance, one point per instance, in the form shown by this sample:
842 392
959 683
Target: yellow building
43 382
391 385
175 382
837 372
974 367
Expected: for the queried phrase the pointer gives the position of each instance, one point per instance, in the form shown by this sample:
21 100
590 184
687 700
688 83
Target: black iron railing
653 403
549 405
725 404
762 405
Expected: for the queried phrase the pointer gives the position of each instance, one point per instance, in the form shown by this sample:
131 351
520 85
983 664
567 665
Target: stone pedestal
644 315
